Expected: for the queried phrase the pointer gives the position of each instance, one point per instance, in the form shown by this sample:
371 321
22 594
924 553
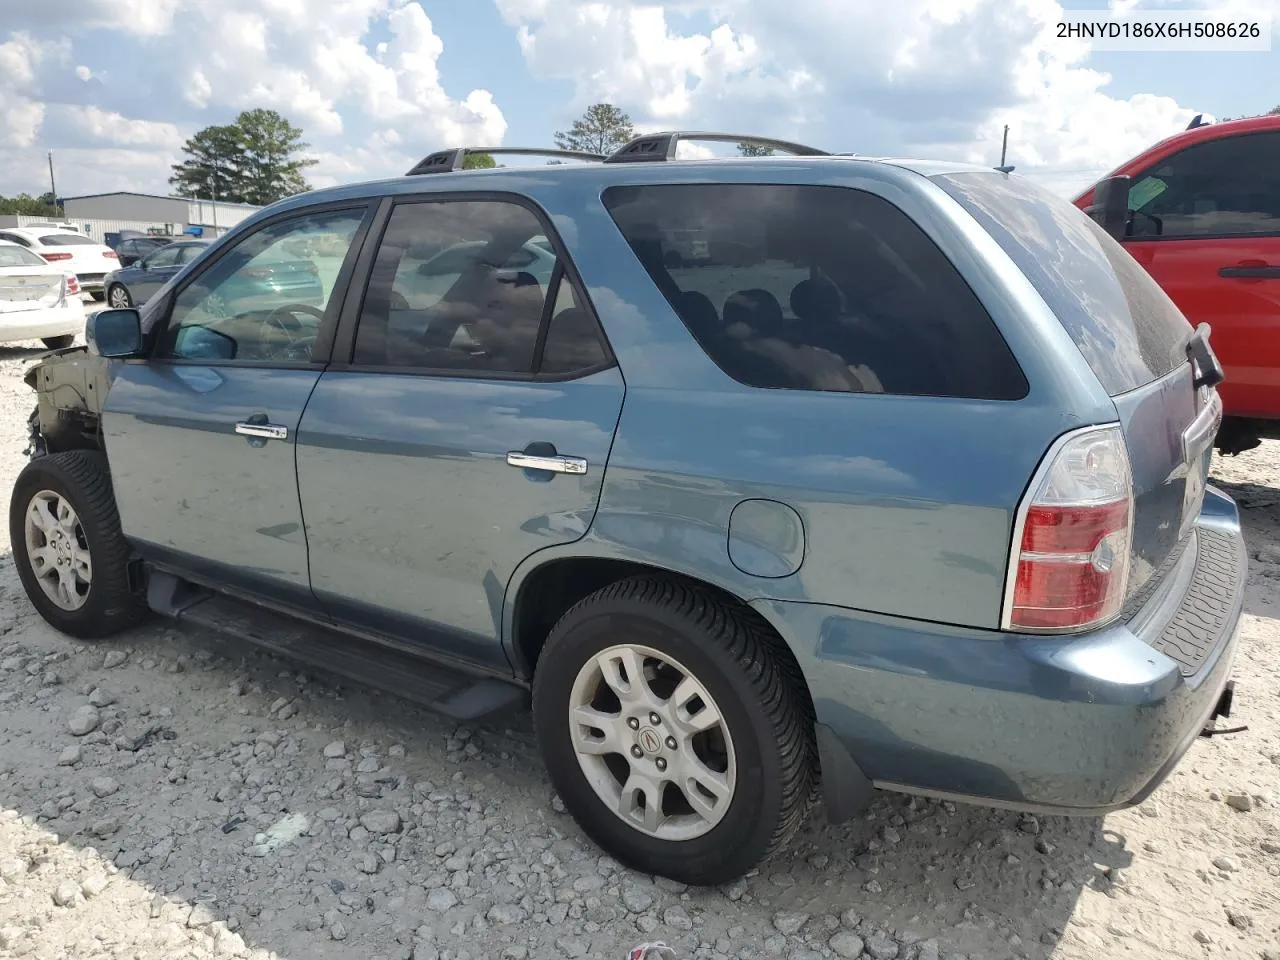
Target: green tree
754 150
603 128
214 168
479 161
28 205
271 159
254 160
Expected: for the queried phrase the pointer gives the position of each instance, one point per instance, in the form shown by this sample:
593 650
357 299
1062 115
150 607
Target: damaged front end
71 388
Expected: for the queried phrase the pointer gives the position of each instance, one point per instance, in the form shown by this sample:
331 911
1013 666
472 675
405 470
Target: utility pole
215 197
53 186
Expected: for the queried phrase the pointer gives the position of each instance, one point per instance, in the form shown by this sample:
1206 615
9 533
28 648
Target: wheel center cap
649 740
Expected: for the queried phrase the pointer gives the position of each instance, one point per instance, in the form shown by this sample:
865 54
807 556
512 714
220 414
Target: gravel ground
172 795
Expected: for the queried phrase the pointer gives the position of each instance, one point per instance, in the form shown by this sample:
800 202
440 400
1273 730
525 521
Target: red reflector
55 257
1057 595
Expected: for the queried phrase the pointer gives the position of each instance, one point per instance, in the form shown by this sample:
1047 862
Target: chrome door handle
264 431
526 461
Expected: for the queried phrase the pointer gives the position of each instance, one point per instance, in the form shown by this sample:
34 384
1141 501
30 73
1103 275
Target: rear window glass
67 240
815 288
1126 327
18 257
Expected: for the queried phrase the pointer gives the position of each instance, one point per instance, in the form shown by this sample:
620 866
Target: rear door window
458 287
815 288
1126 327
1219 188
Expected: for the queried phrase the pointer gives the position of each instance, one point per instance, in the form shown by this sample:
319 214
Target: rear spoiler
1207 366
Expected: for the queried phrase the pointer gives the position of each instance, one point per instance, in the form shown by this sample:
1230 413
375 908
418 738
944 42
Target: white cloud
346 71
935 78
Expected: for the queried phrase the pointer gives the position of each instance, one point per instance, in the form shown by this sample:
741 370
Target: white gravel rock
83 720
441 899
103 787
381 821
789 924
335 750
66 893
846 944
70 755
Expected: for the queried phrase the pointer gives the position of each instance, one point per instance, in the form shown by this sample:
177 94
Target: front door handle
555 464
263 431
1251 271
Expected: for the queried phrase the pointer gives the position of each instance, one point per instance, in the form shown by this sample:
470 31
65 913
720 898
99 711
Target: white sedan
38 300
70 250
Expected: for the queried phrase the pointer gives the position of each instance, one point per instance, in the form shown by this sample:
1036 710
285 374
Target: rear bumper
38 324
1079 725
92 282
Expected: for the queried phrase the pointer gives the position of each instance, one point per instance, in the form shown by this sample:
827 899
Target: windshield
67 240
15 256
1126 327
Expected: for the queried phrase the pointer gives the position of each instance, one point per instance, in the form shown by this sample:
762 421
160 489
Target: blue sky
115 86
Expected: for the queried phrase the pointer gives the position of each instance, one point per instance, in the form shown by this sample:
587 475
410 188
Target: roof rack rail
448 161
657 147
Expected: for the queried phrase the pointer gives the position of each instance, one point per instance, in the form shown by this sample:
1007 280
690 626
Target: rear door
1207 228
461 427
1131 334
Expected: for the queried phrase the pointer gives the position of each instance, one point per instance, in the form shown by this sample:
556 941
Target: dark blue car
279 279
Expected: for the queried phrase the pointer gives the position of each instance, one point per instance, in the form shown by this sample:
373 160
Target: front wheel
67 544
674 730
118 297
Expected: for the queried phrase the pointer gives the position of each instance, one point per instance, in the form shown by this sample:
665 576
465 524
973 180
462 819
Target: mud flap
846 791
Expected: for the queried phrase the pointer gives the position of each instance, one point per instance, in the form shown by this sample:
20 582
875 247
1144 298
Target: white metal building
101 213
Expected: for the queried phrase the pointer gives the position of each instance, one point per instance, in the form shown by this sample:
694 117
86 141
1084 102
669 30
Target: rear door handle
263 431
1259 272
556 464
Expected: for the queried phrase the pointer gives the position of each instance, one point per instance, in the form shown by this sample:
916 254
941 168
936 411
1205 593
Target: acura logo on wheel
650 742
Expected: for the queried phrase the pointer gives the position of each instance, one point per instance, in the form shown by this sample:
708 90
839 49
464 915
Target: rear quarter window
815 288
1125 326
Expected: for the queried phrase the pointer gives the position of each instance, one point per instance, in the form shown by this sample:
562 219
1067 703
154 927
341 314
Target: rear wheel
118 297
57 343
71 556
98 295
673 729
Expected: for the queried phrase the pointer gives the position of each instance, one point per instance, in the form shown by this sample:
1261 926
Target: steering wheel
285 320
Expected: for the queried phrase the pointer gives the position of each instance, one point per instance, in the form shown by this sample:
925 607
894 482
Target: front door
201 436
152 272
1207 228
470 429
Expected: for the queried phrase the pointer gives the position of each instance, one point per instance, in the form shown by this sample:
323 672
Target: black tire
744 667
57 343
81 477
98 295
118 297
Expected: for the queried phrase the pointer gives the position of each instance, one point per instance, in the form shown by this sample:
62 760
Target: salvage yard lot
171 795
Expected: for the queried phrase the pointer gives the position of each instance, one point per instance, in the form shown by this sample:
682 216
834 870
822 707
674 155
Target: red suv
1204 220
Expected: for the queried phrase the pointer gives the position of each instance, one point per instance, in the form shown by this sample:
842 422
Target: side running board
450 692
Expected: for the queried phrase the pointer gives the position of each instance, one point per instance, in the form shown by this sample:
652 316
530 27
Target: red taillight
70 286
259 273
1072 557
55 257
110 254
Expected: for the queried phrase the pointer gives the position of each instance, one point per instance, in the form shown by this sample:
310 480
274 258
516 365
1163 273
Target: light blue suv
791 477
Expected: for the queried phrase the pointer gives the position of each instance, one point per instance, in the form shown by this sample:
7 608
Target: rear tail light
1070 563
55 257
110 254
71 286
259 273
